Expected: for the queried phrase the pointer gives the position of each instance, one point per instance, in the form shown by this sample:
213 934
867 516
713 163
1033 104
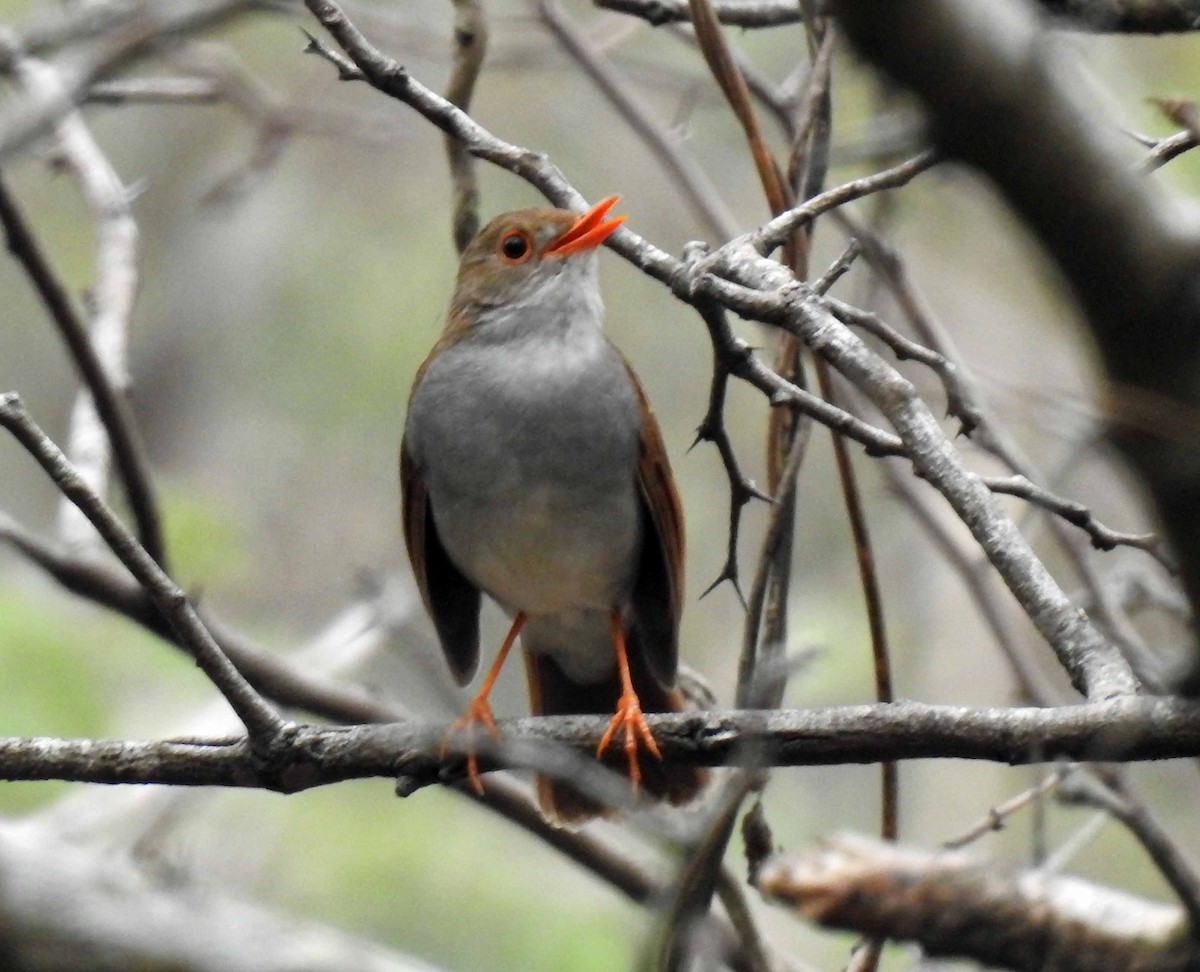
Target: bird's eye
515 246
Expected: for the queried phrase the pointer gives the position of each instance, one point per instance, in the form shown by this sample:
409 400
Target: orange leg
479 710
628 718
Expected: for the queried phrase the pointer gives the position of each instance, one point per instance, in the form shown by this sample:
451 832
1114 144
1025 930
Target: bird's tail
551 692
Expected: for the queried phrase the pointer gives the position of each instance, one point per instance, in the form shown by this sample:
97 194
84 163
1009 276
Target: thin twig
868 578
111 587
741 488
966 402
762 673
111 405
743 13
687 175
470 48
958 403
1166 149
998 815
112 298
1108 793
971 569
776 232
838 269
1103 537
263 723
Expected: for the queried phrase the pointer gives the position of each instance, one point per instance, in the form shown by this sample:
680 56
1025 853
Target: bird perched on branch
532 470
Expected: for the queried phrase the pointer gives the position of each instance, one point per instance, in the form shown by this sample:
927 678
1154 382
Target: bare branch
1120 730
1103 537
998 816
262 722
1164 150
688 176
470 48
110 403
273 676
126 32
1137 286
1093 664
740 13
958 402
1107 792
111 302
778 230
741 488
953 904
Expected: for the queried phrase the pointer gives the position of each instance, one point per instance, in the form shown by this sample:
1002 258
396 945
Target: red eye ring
515 246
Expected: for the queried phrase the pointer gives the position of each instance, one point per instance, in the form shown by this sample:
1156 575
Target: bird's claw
478 712
629 721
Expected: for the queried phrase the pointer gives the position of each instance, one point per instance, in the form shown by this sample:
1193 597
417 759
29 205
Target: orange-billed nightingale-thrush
532 470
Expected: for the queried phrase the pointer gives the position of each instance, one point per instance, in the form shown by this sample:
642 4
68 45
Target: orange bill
589 231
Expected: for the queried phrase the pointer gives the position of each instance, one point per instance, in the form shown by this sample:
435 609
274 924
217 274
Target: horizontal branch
1125 729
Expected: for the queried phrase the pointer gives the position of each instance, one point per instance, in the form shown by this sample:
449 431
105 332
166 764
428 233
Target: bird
533 471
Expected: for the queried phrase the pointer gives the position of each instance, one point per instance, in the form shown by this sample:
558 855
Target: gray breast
529 451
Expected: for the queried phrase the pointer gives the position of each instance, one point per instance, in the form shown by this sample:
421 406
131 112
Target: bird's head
530 266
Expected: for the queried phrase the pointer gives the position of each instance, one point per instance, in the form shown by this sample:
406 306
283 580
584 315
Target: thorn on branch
741 488
347 70
958 402
839 268
1075 513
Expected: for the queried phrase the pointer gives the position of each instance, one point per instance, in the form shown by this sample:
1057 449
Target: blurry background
284 309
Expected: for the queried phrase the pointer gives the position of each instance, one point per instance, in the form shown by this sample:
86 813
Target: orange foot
630 722
479 712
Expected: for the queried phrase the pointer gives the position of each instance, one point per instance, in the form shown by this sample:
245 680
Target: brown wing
451 600
658 588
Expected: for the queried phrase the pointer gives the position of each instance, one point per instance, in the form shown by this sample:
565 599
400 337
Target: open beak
587 232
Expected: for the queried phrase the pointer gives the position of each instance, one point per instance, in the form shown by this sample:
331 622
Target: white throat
561 300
